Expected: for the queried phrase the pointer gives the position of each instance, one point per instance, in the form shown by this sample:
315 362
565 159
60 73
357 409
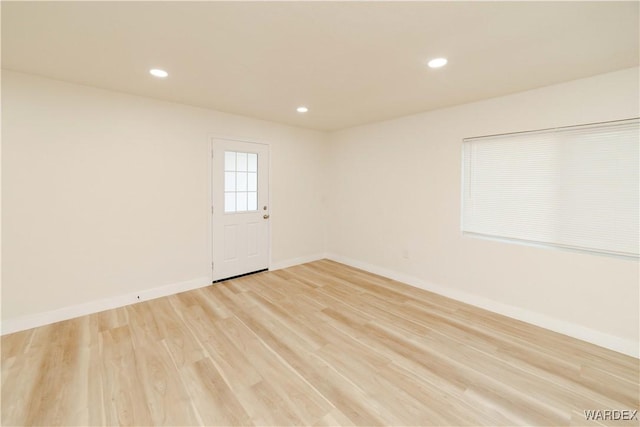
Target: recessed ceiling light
437 62
302 109
158 73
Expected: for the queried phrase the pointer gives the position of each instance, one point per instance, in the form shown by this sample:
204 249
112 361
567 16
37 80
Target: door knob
265 216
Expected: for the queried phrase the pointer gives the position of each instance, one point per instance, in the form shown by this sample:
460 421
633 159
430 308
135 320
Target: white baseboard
40 319
18 324
296 261
612 342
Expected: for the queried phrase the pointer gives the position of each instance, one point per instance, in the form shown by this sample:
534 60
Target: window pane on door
229 181
252 201
252 181
229 160
229 202
241 202
252 162
240 182
241 161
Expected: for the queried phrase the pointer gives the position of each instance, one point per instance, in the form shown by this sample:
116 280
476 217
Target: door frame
211 176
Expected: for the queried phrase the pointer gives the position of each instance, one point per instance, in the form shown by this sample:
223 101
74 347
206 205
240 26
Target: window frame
465 184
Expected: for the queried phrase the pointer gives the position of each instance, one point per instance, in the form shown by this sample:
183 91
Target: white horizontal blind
574 187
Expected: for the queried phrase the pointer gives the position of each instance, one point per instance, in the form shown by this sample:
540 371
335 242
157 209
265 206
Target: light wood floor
316 344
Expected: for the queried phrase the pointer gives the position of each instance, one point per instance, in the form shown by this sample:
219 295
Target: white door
240 207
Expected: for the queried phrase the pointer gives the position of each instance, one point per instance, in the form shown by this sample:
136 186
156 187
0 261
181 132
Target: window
240 182
574 187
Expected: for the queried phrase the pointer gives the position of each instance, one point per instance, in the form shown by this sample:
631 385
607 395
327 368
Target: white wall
106 194
394 190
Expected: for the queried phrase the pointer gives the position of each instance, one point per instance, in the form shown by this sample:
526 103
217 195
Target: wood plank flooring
318 344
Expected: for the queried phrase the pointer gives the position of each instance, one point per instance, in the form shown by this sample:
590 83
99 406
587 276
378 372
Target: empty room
320 213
